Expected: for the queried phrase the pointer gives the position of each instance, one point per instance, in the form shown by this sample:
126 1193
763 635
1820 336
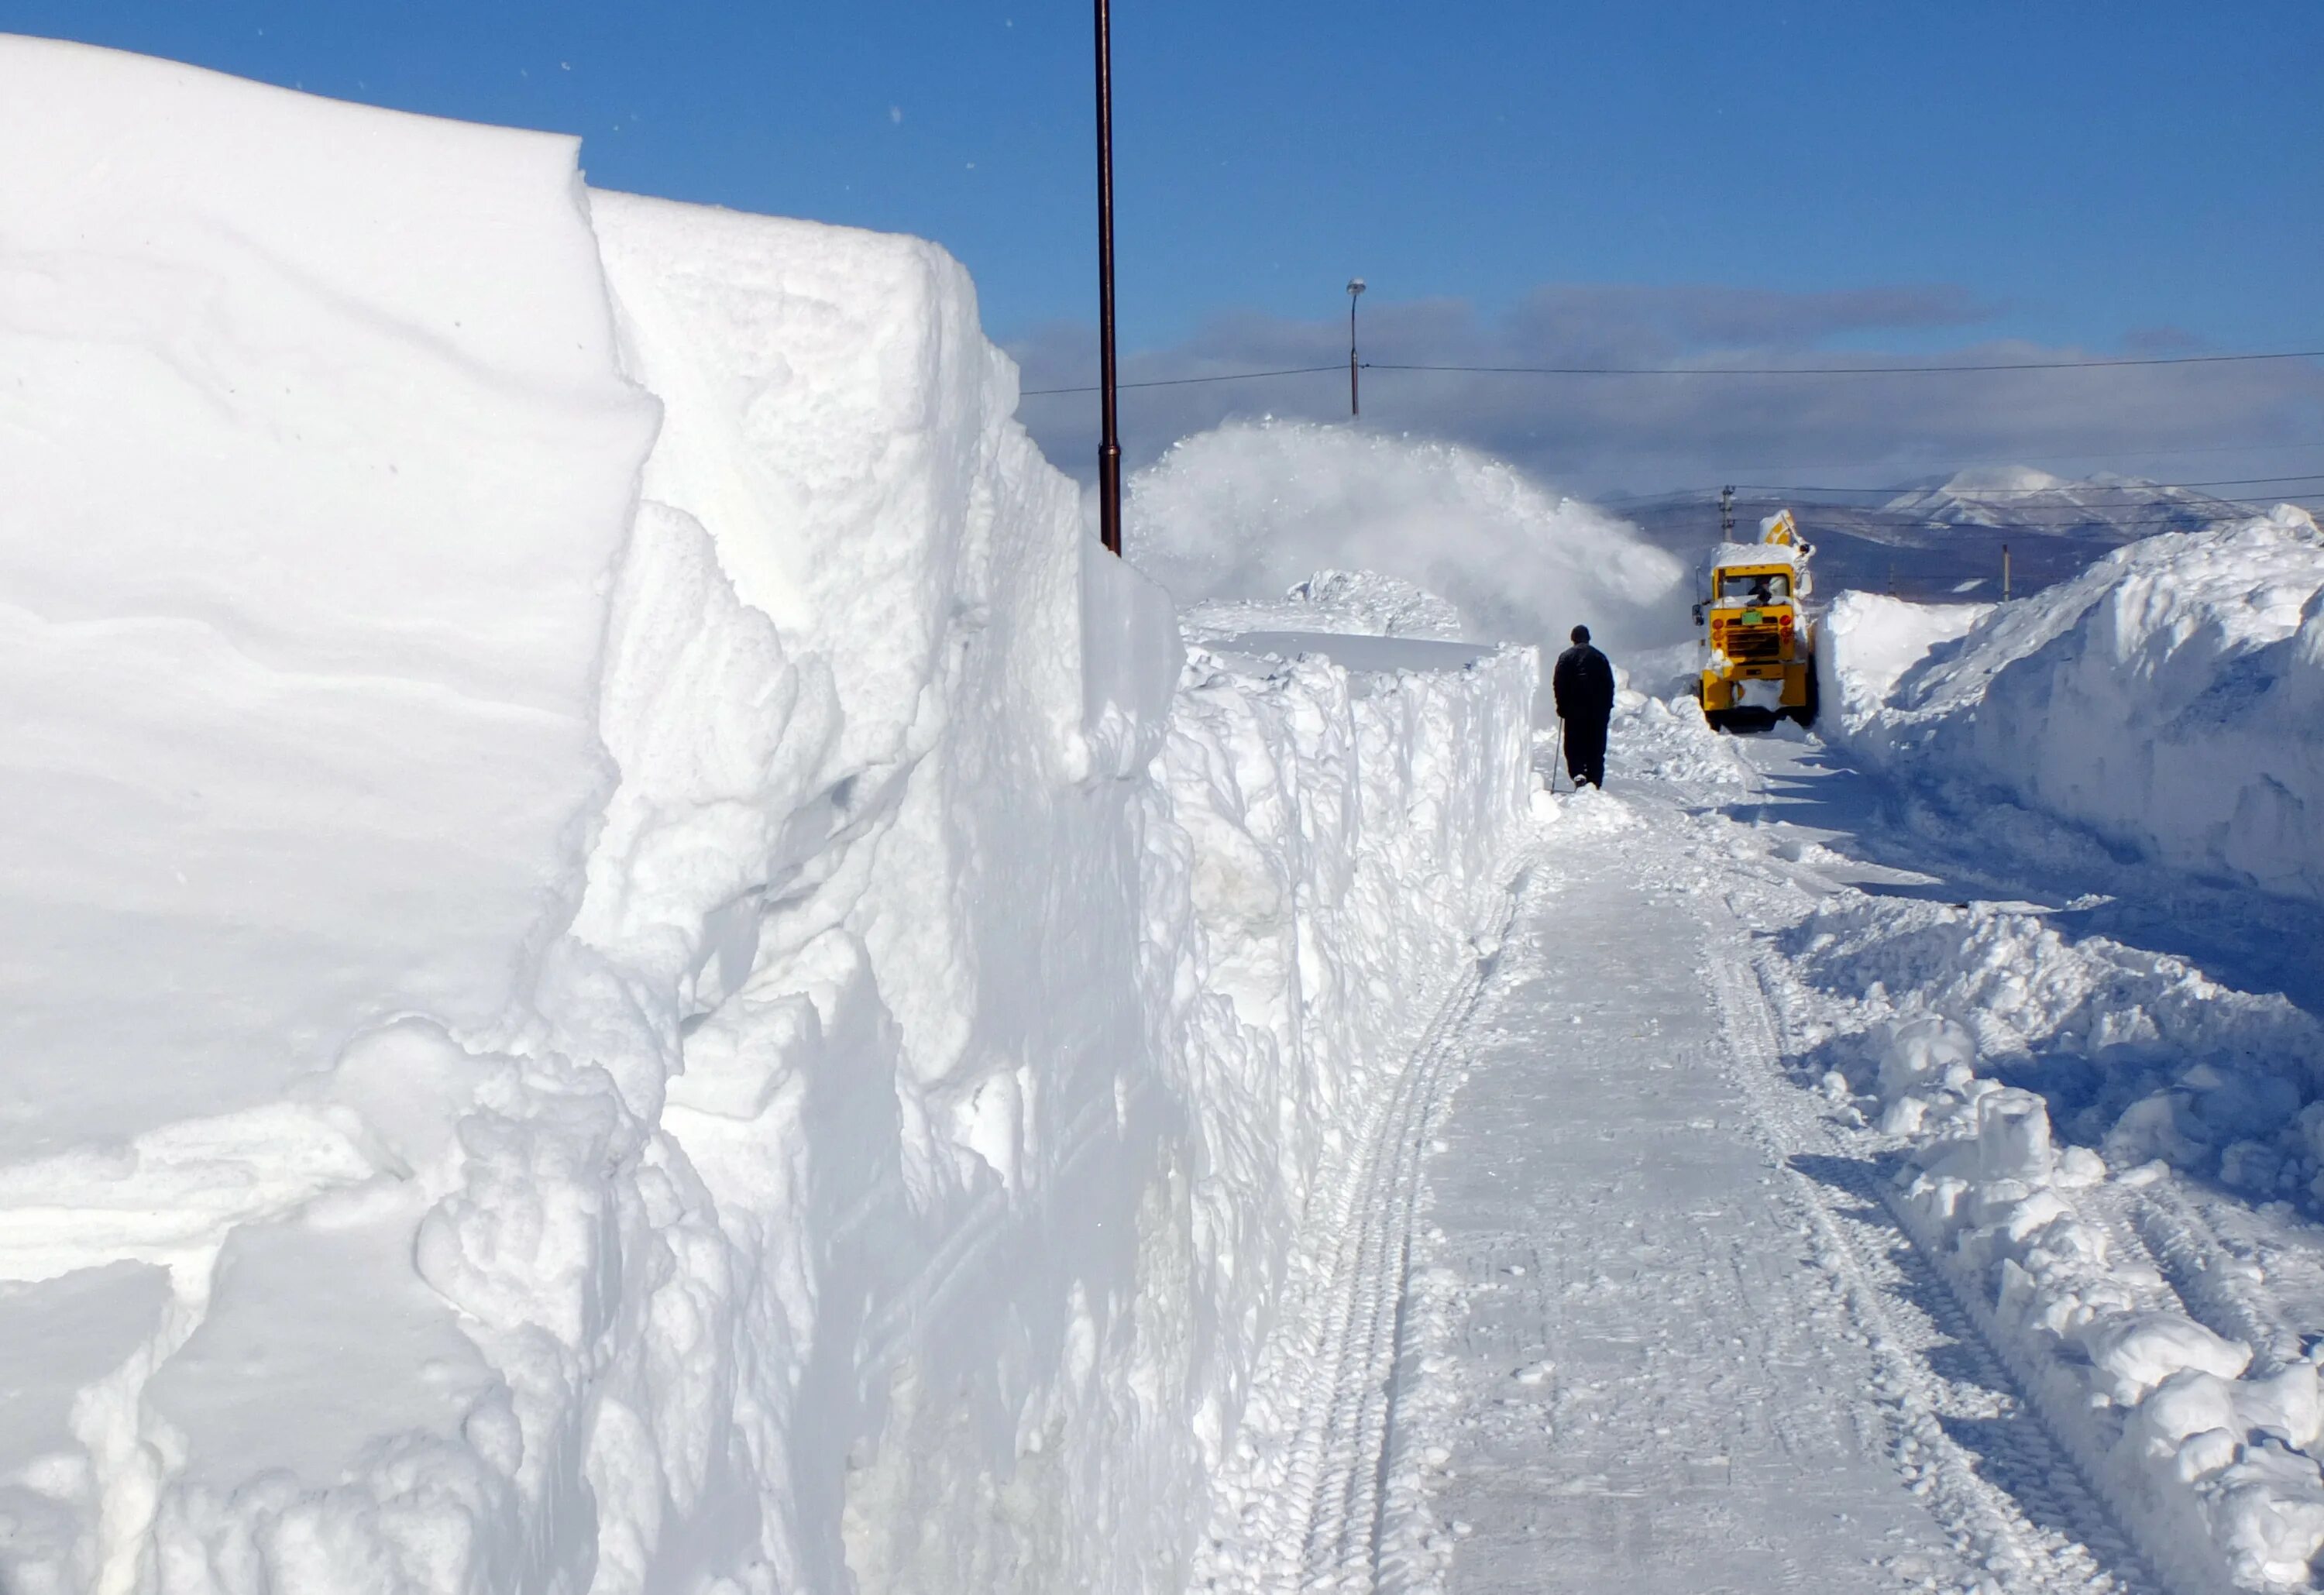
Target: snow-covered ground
1808 1194
630 967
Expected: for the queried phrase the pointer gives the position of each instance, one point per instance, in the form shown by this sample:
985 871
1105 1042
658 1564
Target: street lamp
1108 447
1355 287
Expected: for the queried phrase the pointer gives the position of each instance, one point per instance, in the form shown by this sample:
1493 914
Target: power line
2033 492
1183 382
1244 376
1855 369
1887 462
2125 496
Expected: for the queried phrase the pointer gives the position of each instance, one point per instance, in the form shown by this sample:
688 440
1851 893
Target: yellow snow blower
1758 640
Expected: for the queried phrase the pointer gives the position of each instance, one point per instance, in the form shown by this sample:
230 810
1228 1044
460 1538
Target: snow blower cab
1758 640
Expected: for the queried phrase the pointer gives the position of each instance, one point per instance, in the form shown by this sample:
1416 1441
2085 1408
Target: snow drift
1249 508
718 1007
2168 699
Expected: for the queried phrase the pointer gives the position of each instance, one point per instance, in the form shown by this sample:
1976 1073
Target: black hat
1582 633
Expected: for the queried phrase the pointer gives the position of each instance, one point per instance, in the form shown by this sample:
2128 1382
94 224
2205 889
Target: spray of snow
1249 508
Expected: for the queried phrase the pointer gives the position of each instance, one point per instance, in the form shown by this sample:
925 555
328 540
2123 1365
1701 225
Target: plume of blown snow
1249 509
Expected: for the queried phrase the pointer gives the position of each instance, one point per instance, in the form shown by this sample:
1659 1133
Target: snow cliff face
2166 699
604 1006
305 520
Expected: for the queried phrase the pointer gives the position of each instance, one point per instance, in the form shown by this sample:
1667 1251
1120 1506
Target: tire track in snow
2220 1290
1322 1500
1911 1305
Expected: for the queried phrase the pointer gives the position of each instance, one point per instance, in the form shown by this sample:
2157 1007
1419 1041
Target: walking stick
1558 763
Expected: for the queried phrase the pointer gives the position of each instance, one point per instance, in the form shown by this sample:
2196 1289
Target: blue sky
2099 177
2090 171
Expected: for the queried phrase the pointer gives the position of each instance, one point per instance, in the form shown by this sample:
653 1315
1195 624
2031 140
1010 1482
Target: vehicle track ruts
2023 1504
1325 1494
2213 1282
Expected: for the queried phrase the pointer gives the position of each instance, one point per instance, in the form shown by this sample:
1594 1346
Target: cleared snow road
1667 1388
1615 1303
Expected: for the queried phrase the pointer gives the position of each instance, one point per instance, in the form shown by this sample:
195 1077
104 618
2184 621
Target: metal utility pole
2004 573
1108 447
1355 290
1726 514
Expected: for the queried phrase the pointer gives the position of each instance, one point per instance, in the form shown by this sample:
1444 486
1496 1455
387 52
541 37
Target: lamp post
1108 448
1355 289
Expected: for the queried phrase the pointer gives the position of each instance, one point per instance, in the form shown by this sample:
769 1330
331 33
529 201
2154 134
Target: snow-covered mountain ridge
1943 541
2043 504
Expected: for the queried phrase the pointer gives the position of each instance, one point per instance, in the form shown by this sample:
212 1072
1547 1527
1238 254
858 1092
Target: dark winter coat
1583 685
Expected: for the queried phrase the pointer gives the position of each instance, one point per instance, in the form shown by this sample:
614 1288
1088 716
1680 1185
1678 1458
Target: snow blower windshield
1762 588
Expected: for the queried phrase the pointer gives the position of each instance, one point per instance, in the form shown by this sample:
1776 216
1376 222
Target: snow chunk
1868 642
2137 1351
1930 1050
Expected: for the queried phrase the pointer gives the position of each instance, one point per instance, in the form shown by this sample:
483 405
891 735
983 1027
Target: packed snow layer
2171 699
719 1010
1249 508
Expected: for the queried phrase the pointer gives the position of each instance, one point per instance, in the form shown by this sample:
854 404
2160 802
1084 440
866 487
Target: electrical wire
2038 515
2035 459
1187 381
1852 370
1243 377
2036 492
2125 493
2031 514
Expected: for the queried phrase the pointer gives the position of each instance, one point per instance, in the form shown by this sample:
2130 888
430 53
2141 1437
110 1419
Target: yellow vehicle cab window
1762 588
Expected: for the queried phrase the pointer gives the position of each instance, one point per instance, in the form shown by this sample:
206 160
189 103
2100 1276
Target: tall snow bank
304 521
2168 698
737 1017
1249 508
1867 643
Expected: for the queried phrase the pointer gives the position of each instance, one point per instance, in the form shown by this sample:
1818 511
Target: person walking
1582 688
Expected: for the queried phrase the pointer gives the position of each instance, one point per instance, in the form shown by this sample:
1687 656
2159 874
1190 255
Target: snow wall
627 964
2170 698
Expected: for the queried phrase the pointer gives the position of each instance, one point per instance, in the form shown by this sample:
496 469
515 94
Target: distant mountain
1941 541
